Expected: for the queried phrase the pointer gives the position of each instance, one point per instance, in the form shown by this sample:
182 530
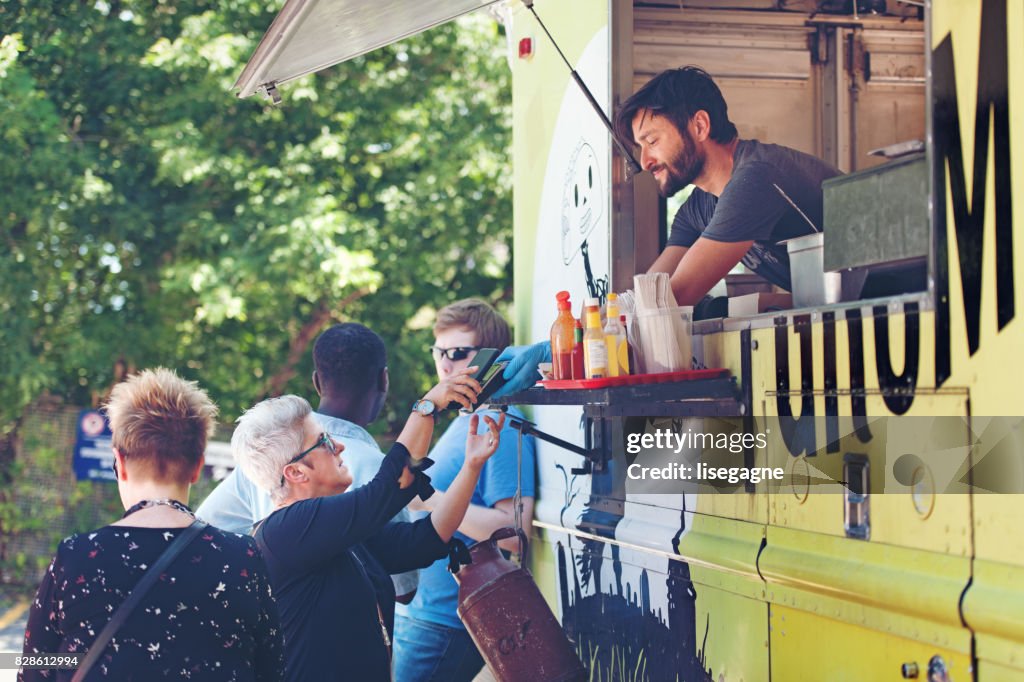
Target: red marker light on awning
525 48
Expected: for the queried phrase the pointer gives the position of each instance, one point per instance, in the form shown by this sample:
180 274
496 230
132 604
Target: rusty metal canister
509 620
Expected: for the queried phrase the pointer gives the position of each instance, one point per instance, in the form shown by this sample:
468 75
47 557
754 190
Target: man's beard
682 169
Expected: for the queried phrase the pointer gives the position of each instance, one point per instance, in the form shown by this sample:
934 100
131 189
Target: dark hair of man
348 359
678 94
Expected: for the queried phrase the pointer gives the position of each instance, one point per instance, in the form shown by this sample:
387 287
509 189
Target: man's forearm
668 260
480 522
705 263
685 293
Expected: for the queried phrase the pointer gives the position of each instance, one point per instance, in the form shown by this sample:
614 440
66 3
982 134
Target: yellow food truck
887 388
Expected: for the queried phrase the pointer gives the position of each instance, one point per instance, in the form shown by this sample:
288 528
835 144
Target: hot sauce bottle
577 352
562 338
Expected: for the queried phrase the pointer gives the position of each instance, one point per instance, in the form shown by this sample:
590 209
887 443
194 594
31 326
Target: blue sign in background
93 455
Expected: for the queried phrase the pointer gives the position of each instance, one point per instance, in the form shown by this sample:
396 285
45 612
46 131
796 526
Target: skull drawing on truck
583 200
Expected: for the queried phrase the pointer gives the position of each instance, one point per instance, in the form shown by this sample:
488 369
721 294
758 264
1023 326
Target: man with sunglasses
454 354
430 641
351 377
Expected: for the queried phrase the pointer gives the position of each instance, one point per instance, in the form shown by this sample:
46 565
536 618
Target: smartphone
483 360
494 380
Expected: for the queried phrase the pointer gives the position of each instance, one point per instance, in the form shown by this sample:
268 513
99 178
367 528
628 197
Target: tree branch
299 344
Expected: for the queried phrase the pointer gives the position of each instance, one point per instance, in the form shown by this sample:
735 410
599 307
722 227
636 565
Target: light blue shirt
237 504
438 595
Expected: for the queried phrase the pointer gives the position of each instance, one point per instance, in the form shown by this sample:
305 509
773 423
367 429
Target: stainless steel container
812 286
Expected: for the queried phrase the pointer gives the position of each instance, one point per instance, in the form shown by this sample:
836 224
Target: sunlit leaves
154 217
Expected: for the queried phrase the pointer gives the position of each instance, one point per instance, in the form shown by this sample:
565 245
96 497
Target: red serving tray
634 379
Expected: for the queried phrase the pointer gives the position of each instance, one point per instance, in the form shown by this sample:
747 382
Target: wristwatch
425 407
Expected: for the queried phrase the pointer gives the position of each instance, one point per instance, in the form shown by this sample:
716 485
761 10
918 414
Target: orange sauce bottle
562 338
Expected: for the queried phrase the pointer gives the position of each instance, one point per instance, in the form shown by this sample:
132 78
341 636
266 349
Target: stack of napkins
662 326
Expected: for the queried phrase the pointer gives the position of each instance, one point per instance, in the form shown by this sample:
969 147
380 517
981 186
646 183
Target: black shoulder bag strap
148 579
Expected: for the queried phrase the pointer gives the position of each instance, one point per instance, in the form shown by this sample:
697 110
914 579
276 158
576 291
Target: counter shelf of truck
712 397
718 396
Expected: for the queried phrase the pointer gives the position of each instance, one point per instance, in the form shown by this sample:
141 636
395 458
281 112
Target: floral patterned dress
210 616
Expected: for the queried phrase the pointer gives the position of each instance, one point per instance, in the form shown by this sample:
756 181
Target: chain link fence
46 503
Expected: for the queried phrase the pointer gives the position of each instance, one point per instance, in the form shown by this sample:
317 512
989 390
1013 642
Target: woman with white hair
330 552
157 594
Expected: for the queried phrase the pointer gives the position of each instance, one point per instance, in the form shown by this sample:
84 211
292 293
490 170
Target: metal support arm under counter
693 398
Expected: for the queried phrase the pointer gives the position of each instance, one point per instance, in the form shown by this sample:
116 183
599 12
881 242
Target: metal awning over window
310 35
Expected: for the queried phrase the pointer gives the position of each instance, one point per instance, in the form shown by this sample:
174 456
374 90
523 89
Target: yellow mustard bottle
615 340
595 352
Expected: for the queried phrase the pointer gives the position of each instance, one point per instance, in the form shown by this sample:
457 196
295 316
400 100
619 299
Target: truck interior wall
832 88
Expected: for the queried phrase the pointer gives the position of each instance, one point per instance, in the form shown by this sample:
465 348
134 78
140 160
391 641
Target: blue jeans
428 652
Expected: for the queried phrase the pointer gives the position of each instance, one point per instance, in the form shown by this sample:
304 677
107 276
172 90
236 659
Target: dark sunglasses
323 440
454 354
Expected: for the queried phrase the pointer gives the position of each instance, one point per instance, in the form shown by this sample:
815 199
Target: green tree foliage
151 217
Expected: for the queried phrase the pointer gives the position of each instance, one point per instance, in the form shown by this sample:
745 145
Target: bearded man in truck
747 197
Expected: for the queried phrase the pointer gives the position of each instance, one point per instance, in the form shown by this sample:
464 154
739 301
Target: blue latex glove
521 372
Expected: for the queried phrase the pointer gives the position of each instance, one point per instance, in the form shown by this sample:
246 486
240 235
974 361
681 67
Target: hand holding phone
483 360
494 380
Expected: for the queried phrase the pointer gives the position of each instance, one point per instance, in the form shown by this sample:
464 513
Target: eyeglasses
324 440
454 354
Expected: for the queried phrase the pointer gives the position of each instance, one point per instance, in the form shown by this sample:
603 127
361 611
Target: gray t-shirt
751 208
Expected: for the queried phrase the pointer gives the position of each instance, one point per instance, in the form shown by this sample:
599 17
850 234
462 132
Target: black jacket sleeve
401 547
315 531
